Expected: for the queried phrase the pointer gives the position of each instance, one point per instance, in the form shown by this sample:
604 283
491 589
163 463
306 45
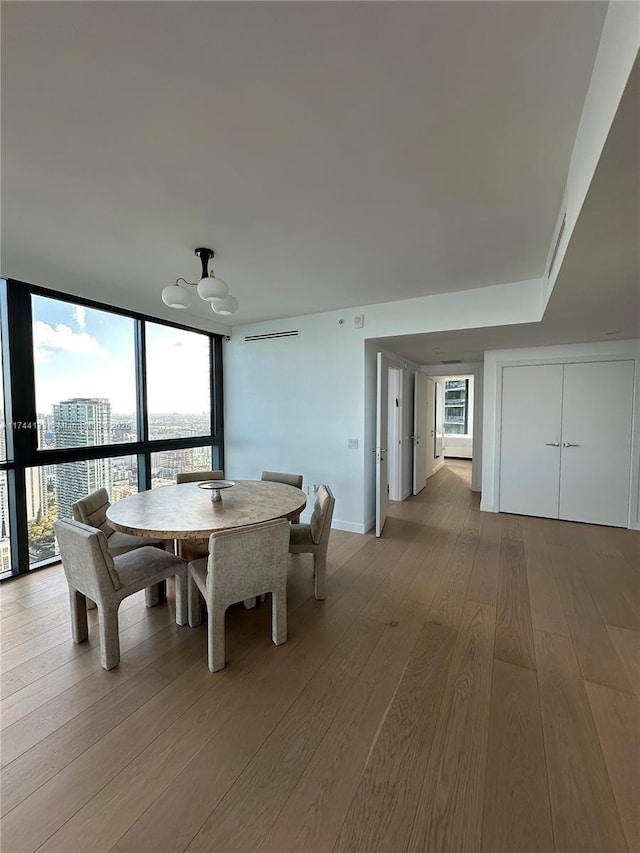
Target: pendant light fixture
210 288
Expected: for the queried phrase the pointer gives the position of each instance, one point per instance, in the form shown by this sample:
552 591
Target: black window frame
21 415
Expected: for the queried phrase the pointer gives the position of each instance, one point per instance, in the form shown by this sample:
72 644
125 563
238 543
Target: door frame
476 370
394 438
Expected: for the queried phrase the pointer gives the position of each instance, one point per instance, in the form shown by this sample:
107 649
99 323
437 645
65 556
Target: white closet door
596 442
530 443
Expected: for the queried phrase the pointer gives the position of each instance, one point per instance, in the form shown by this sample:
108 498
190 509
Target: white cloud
79 316
60 337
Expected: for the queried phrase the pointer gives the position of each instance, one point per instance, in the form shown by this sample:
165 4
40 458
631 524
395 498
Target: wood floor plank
313 815
483 584
387 797
449 599
55 802
449 811
32 769
596 656
219 730
238 822
627 646
616 594
514 628
547 613
583 809
517 815
617 718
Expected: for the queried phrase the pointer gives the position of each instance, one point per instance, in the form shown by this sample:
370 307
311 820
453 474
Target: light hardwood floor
471 683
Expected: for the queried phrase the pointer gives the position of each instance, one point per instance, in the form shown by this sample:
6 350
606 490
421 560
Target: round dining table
185 511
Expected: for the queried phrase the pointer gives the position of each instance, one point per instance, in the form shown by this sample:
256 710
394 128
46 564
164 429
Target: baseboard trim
337 524
485 507
350 527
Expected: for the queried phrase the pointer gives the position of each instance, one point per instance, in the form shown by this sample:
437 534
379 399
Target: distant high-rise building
81 422
36 492
4 507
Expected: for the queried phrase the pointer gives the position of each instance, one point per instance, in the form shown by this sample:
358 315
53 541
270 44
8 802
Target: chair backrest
287 479
320 523
92 511
86 560
245 561
199 476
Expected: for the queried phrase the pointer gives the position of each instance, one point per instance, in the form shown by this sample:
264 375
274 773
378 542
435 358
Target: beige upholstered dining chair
313 538
198 476
92 571
194 549
243 563
288 480
92 511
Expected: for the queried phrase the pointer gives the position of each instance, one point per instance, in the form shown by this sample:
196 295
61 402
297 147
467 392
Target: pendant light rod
205 256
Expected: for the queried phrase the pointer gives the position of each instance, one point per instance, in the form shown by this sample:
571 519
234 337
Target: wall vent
270 335
557 245
452 361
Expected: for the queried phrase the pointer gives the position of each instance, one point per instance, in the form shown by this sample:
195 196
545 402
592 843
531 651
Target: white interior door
382 424
394 456
530 442
596 442
421 431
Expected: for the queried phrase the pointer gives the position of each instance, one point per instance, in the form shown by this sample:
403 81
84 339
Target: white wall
292 403
494 362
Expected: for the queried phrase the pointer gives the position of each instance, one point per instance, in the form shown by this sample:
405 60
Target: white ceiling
598 289
333 154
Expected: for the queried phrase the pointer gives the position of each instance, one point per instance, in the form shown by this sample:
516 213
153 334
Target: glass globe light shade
226 306
176 297
212 289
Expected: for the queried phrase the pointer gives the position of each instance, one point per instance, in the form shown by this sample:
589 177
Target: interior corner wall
493 364
292 403
617 53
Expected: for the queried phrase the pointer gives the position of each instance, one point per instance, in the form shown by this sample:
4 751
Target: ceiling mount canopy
210 288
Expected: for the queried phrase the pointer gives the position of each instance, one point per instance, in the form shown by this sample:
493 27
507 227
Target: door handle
553 444
568 444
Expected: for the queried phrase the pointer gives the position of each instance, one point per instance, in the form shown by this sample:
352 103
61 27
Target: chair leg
319 573
79 628
195 604
215 636
155 594
109 638
181 599
279 615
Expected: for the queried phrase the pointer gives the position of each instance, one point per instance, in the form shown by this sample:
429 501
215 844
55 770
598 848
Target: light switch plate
352 443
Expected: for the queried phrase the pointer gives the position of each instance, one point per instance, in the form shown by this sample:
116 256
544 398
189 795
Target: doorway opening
458 437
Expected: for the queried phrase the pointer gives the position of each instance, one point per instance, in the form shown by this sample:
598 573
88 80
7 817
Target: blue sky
84 352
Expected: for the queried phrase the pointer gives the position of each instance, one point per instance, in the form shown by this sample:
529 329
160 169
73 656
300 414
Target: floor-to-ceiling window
94 397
